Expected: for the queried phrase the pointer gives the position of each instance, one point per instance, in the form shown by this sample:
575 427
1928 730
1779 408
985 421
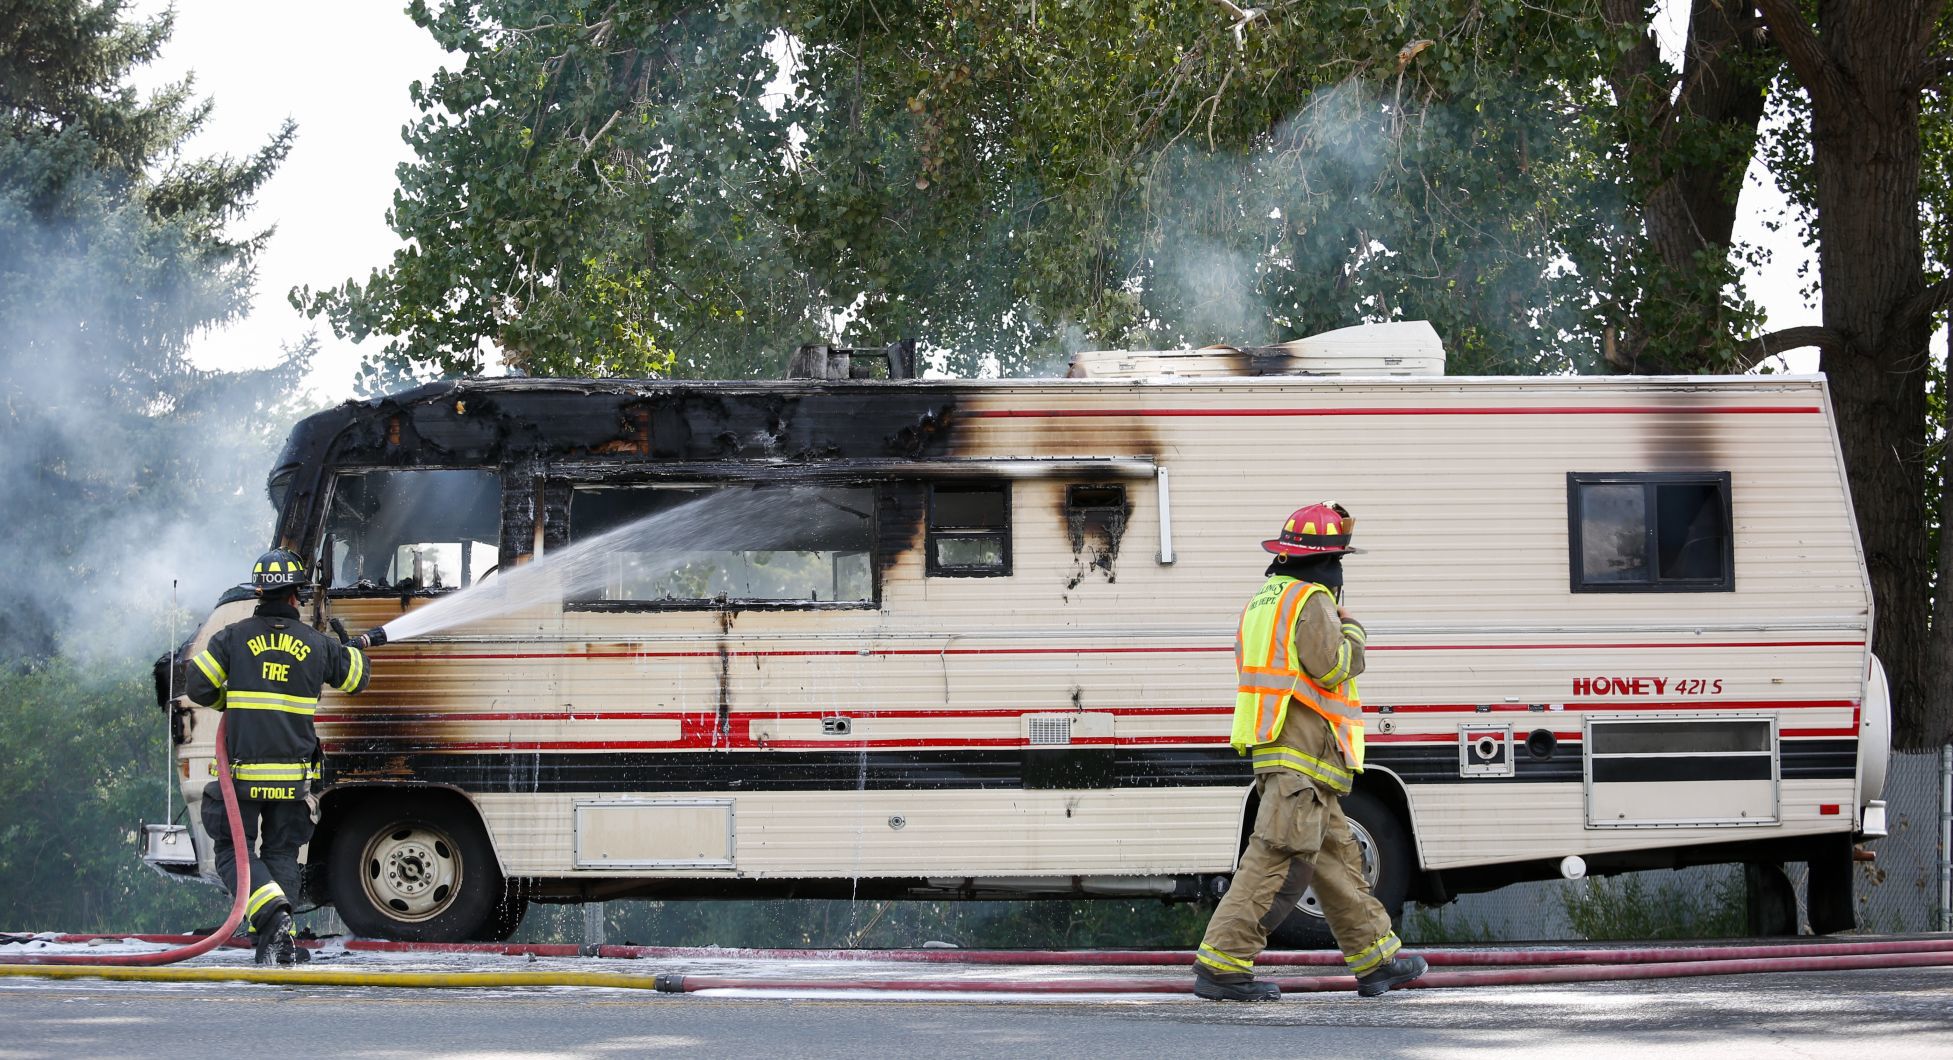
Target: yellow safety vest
1269 672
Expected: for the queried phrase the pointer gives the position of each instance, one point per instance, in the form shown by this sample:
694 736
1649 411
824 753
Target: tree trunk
1724 86
1688 189
1861 70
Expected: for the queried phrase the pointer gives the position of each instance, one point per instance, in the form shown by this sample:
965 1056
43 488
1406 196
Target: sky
343 79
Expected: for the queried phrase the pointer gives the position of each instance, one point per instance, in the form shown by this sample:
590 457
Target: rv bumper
170 848
1872 825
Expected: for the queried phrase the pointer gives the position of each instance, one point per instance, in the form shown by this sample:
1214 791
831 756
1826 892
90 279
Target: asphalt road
1888 1015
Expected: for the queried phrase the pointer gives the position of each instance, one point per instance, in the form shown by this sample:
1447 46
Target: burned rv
973 638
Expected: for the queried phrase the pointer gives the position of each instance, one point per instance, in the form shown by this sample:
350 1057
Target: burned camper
974 638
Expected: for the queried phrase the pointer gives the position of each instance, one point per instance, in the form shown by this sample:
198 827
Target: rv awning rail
858 470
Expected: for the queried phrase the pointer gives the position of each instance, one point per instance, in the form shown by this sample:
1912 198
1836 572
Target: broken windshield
405 531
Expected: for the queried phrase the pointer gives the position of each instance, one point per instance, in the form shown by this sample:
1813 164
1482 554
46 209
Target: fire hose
1480 967
1132 958
669 983
180 953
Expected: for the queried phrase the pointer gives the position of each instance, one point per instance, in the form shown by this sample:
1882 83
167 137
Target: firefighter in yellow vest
265 672
1297 653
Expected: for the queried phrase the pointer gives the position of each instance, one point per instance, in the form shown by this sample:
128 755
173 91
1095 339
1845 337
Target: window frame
931 533
571 483
330 496
1649 481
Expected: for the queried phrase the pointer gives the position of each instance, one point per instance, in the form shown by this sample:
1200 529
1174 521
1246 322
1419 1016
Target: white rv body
1063 726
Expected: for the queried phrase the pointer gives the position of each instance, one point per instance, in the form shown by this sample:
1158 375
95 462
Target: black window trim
1648 480
932 533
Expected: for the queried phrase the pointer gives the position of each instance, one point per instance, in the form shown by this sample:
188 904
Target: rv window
409 530
663 546
969 529
1650 533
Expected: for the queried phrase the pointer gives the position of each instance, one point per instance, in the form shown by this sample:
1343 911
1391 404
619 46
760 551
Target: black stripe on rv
929 770
895 770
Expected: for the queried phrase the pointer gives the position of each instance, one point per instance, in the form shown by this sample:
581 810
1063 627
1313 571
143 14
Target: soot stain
1095 519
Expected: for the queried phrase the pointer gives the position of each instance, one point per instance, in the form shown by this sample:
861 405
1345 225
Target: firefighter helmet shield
1322 529
276 571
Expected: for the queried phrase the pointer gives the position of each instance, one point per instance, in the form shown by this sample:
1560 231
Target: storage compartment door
1669 770
654 834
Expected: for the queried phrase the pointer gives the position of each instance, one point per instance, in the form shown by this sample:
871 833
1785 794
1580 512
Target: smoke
129 477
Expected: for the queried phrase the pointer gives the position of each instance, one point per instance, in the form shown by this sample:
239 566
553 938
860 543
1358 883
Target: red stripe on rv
353 714
461 746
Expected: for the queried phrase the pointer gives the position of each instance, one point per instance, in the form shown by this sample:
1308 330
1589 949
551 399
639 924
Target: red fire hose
1320 983
1457 958
208 942
1139 958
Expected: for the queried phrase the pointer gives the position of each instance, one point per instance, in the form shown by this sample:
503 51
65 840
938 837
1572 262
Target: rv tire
1387 864
415 868
509 911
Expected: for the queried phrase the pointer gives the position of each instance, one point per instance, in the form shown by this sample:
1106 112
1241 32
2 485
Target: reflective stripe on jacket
1269 674
267 671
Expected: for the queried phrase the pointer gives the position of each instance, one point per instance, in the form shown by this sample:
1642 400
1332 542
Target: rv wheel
1386 866
414 870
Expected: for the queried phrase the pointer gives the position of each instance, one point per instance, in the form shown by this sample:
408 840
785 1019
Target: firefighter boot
278 940
1396 973
1245 990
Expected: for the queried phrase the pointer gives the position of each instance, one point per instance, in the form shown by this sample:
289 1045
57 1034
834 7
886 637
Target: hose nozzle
372 638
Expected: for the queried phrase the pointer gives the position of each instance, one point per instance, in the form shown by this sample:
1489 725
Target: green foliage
114 251
1443 925
83 746
643 187
1630 907
128 472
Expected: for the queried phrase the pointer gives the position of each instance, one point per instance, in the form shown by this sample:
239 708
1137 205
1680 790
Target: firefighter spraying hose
265 673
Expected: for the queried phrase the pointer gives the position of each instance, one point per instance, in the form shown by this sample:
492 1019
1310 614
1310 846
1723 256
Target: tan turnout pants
1301 839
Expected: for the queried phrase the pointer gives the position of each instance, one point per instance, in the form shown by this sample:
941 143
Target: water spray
710 525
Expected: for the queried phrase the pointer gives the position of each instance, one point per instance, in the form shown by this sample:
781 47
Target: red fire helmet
1322 529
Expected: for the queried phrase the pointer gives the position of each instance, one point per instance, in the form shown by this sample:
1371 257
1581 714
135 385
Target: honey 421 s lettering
1647 686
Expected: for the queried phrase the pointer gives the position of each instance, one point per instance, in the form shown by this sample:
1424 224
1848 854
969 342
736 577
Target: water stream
658 545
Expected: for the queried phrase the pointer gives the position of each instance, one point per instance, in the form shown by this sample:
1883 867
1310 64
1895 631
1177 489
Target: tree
589 196
1873 74
1685 138
602 187
114 251
127 471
